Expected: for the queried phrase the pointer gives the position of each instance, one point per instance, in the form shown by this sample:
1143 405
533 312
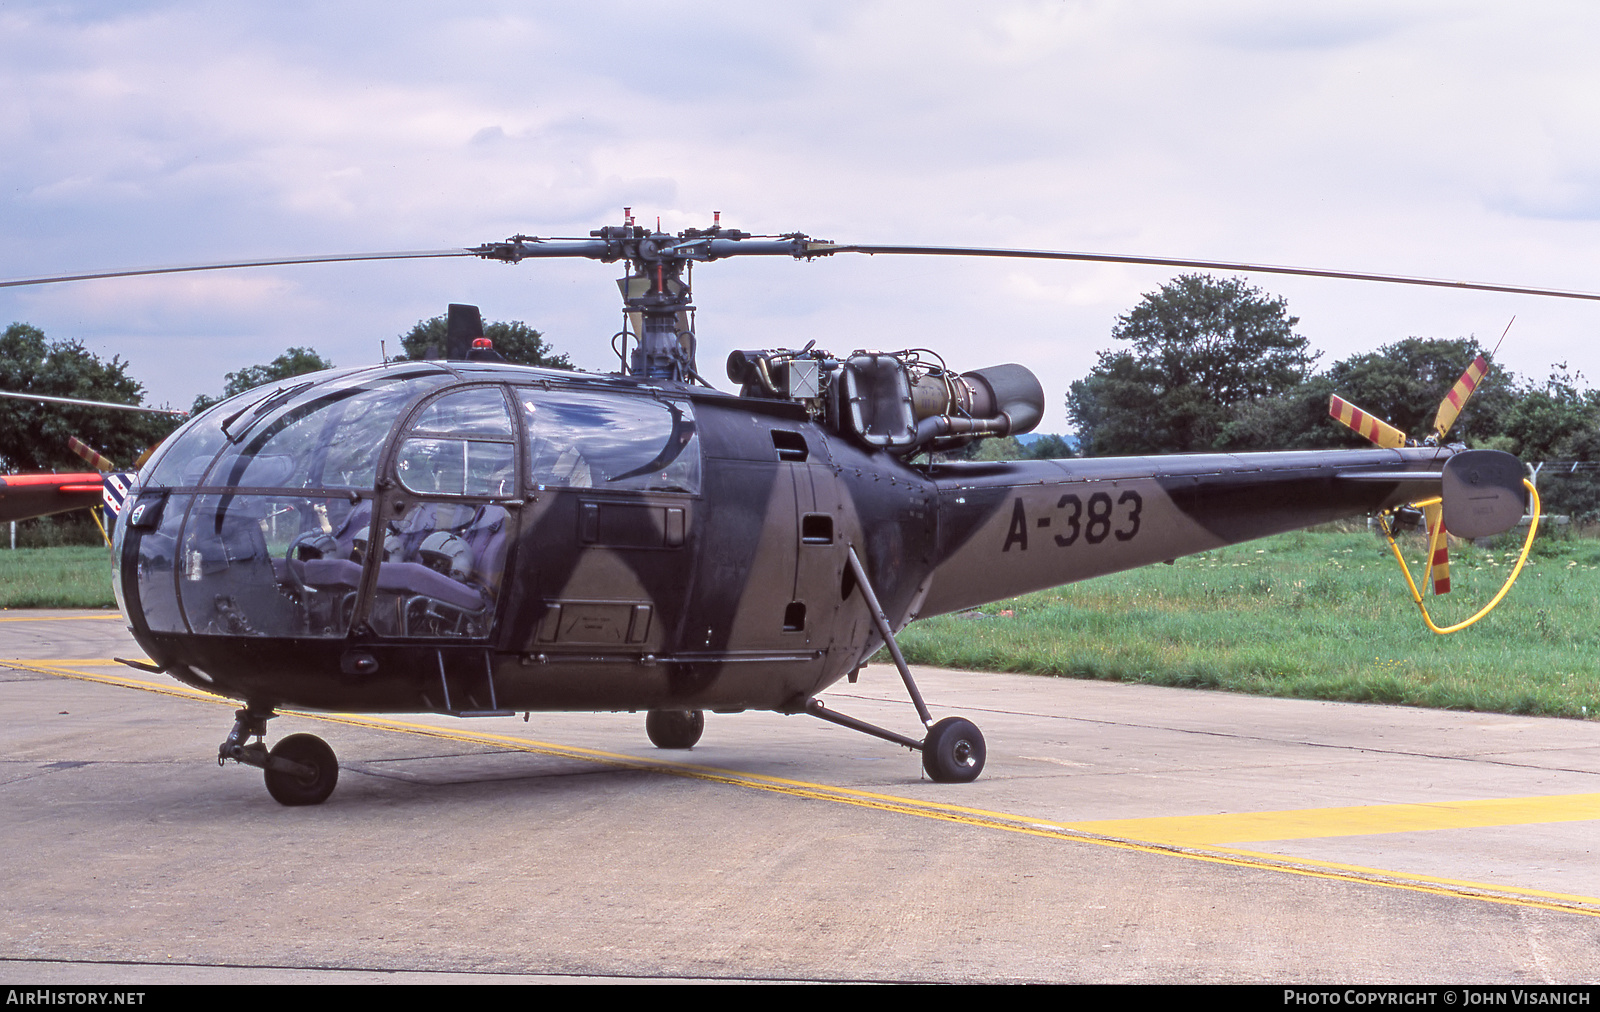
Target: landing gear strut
300 770
953 751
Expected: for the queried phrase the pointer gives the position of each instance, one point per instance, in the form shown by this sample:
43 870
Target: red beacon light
482 350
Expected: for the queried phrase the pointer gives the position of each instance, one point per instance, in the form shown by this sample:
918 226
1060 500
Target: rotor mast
656 297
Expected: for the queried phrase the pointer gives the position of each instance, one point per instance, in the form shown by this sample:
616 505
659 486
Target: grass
68 577
1312 615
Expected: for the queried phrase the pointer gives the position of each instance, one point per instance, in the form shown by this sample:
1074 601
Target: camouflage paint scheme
737 594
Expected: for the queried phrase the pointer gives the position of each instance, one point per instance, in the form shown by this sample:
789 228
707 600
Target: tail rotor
1505 504
1380 433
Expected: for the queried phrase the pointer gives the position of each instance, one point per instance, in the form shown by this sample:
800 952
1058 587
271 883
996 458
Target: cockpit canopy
259 517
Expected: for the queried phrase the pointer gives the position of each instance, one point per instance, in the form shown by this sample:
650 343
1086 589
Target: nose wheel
316 777
300 770
674 728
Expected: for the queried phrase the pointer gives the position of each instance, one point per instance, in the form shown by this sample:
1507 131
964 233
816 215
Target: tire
953 752
308 750
674 728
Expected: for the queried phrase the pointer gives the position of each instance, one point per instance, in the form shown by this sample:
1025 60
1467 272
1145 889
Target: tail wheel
310 788
953 752
674 728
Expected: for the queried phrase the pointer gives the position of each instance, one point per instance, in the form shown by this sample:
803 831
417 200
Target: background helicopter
26 496
468 537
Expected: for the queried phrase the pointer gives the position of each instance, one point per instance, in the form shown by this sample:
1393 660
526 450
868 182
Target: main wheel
953 752
674 728
307 750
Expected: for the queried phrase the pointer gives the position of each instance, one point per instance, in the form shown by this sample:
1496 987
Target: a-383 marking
1095 521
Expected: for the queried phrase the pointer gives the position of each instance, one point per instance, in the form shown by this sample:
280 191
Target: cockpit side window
457 467
475 411
441 561
462 443
584 439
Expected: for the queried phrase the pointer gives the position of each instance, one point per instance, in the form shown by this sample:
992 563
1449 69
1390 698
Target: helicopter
463 536
27 496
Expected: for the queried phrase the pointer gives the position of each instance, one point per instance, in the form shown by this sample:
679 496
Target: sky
1453 140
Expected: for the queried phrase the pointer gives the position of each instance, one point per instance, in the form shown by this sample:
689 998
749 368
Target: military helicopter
467 537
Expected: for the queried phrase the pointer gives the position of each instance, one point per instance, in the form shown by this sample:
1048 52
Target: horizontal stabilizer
1390 476
1483 493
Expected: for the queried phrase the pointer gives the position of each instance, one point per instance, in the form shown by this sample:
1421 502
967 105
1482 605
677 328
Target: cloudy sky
1450 139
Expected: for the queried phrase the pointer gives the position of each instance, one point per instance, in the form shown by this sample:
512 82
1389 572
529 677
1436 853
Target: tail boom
1011 528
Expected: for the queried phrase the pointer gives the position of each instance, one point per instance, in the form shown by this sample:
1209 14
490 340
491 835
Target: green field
72 577
1315 614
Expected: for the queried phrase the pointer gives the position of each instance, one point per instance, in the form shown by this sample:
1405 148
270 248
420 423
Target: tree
1558 421
1401 383
1545 420
293 362
1049 447
1046 447
514 340
1200 346
33 435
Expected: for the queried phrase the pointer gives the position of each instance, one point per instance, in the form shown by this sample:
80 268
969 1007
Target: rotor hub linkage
655 292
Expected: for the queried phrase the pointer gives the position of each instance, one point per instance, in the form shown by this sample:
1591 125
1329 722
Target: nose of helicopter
376 504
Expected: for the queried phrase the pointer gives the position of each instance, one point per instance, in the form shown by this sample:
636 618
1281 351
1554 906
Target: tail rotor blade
1456 399
1375 429
90 454
1438 550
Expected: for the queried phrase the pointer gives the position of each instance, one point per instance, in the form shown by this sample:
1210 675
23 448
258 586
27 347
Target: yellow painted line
82 662
1156 836
61 618
1364 820
64 670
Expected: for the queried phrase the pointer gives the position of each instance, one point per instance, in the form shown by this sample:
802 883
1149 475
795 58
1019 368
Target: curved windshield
325 436
325 431
277 548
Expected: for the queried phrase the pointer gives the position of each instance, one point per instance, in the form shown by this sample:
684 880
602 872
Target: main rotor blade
815 249
332 258
93 404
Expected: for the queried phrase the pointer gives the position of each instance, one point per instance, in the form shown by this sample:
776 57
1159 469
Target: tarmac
1119 833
